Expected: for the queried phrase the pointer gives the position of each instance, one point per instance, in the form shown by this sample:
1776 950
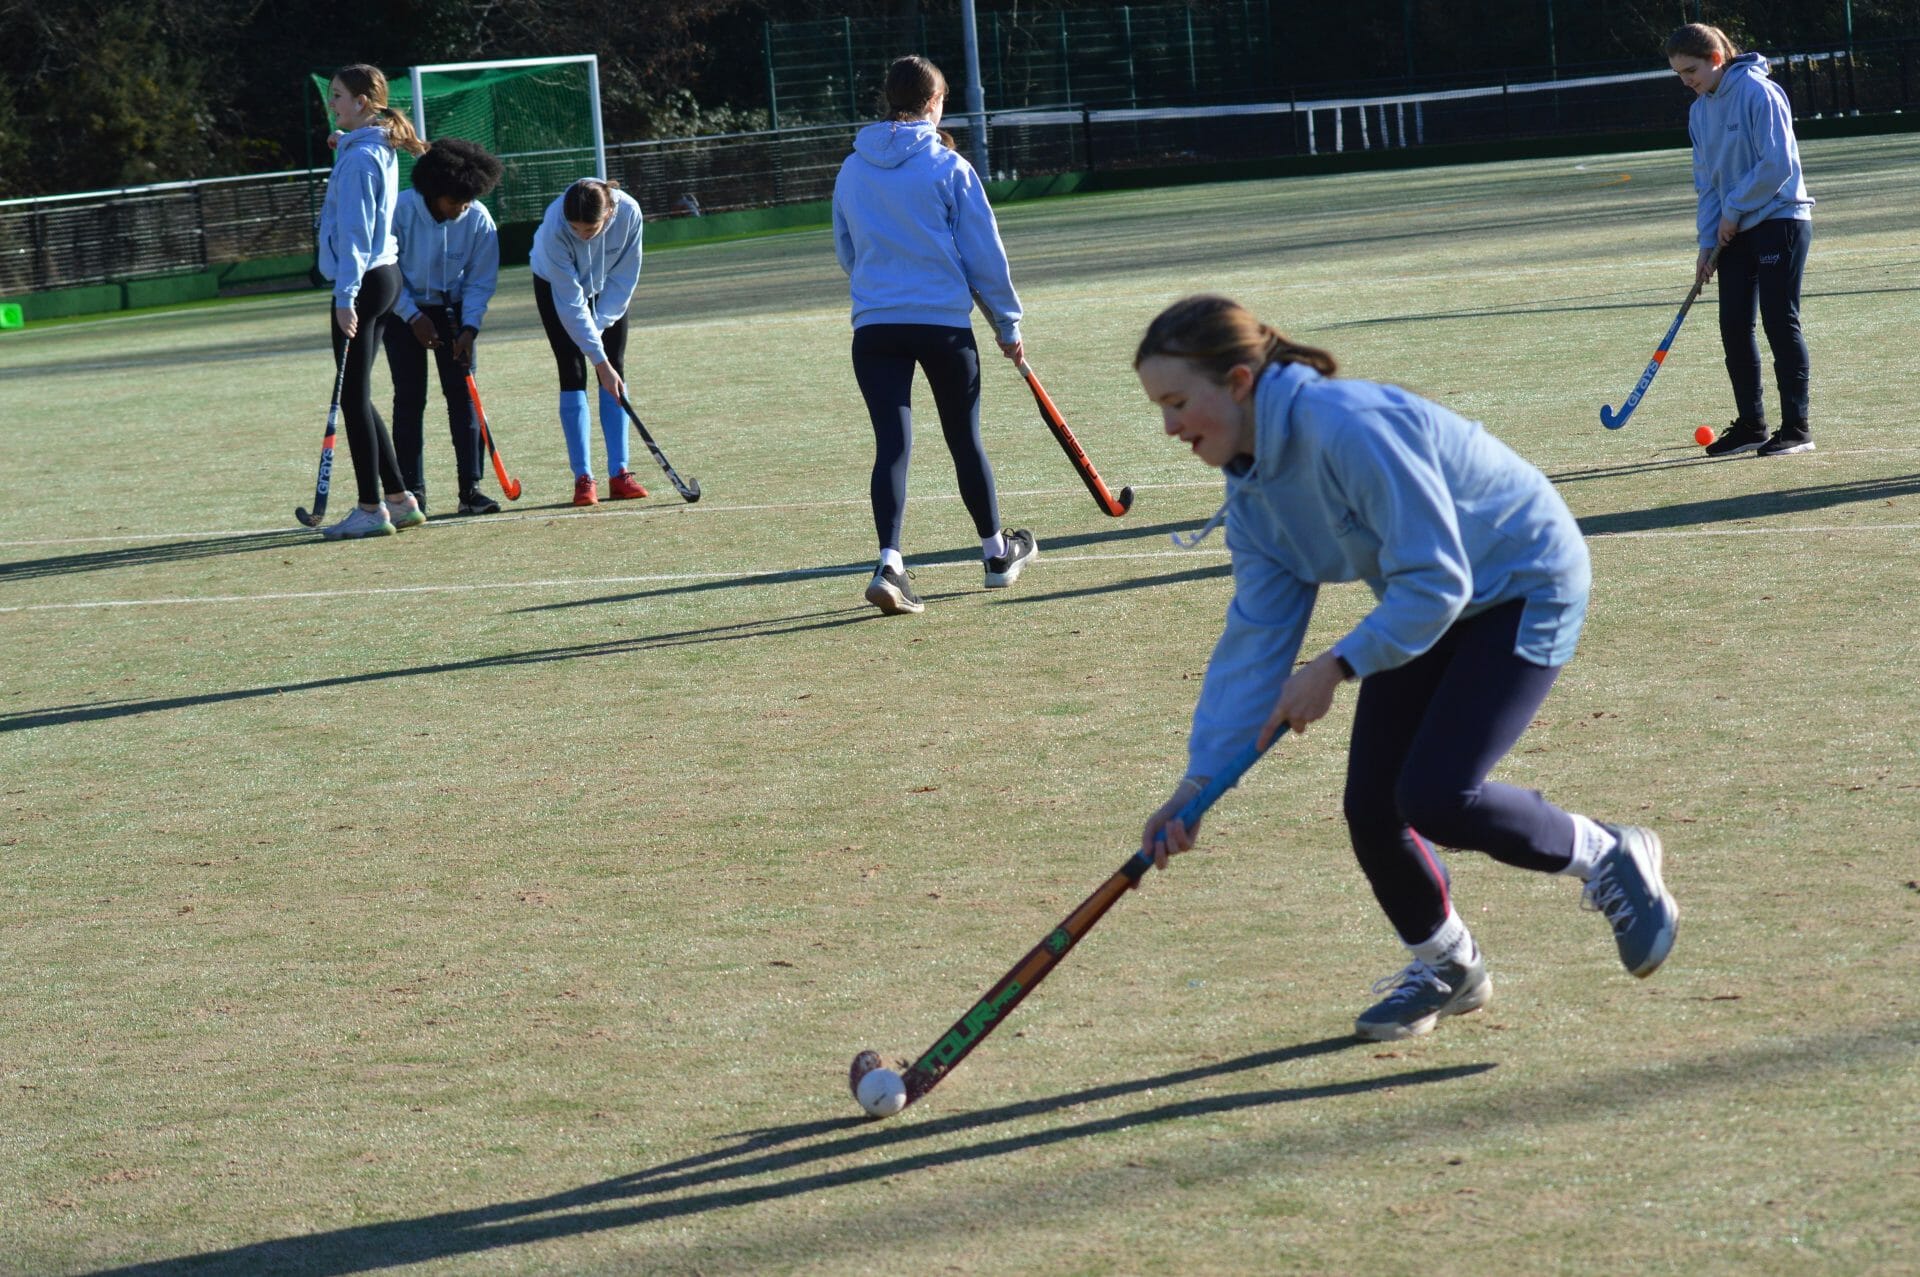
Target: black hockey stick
687 488
325 481
971 1029
1612 420
1075 453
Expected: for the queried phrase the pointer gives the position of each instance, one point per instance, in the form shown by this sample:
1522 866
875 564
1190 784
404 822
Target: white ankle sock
1452 943
892 559
994 547
1590 843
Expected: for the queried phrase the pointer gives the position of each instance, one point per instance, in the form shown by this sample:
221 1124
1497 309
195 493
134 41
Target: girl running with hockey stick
1754 206
586 261
359 254
914 232
1480 576
449 267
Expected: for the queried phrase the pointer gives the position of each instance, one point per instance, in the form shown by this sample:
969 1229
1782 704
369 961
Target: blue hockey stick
1612 420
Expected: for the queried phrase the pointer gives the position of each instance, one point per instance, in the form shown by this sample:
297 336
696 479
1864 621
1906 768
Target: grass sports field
509 896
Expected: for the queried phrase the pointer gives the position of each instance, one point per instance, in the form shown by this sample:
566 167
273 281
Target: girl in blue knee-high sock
586 261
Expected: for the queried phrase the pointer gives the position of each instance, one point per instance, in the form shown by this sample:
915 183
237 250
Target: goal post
540 116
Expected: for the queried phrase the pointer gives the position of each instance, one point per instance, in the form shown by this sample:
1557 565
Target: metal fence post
1066 61
773 85
853 107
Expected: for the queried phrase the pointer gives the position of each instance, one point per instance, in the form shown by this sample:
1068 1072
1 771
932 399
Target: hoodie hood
1746 66
368 135
891 143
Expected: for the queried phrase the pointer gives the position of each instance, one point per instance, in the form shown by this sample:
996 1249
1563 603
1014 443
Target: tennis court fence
97 237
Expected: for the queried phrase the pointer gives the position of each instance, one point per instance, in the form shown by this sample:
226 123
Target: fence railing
117 236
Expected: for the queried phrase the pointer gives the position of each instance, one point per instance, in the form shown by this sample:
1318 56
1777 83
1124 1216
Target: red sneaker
624 487
586 491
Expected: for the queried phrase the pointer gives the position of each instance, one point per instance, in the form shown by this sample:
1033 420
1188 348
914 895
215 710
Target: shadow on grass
618 1202
1210 572
1559 307
94 711
1754 505
862 568
139 556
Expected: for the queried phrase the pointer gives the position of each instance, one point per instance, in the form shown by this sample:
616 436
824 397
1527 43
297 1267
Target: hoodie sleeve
405 306
982 256
551 263
483 271
842 234
1266 622
361 186
1769 127
1706 216
623 273
1398 493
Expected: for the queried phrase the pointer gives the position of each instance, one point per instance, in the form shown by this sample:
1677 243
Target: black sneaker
1740 435
1788 440
1005 570
474 501
891 592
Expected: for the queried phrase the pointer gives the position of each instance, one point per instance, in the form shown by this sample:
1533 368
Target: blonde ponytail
400 134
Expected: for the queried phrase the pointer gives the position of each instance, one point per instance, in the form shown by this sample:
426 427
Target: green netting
537 119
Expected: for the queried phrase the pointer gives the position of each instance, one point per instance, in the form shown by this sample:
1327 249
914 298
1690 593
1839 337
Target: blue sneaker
1627 888
1419 995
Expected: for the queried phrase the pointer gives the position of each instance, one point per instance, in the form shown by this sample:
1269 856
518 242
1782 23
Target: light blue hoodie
356 220
452 263
1746 164
592 279
914 232
1353 480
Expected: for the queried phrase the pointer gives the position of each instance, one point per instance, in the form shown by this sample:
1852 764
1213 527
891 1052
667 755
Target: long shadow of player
160 552
610 1204
761 628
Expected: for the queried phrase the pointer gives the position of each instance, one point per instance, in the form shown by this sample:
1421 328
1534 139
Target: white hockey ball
881 1092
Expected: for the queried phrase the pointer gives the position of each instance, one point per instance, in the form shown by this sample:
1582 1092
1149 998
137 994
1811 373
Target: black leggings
407 361
1765 264
566 355
1425 735
884 357
375 470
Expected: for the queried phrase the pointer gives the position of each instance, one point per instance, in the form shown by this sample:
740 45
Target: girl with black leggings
1754 207
918 240
1480 576
359 254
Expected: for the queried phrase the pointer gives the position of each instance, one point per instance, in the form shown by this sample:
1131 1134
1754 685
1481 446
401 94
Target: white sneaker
360 523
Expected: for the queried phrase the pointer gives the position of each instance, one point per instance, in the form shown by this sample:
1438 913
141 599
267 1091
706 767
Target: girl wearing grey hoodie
913 230
1755 209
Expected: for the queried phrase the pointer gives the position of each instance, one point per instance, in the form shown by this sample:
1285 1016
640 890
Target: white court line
673 577
572 582
508 515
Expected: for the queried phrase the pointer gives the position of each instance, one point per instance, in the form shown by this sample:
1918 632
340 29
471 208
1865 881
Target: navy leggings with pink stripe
1425 735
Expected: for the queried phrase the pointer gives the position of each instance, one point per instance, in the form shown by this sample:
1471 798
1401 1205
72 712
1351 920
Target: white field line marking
507 515
672 577
662 578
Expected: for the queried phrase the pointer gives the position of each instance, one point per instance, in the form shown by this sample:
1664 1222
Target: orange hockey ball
1703 436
